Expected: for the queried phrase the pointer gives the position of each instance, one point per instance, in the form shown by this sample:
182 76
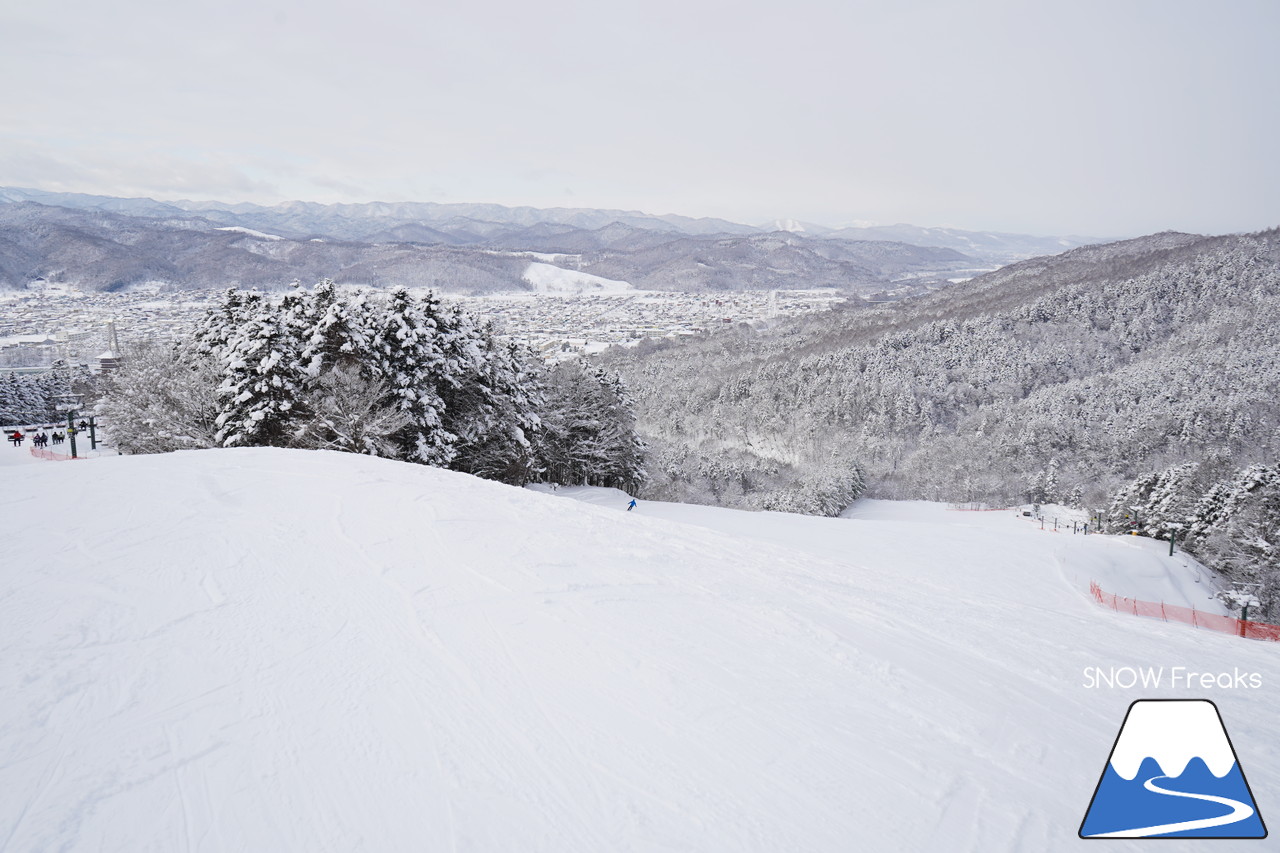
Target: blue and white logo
1173 773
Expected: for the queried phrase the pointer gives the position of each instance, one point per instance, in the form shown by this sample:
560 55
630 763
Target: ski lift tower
1244 595
70 404
1174 529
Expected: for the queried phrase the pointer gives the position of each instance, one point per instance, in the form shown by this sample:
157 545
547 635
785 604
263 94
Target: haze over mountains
105 243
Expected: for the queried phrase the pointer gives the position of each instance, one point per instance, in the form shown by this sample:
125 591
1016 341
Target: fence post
1193 616
1162 613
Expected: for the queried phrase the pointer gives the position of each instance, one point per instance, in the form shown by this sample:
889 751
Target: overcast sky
1099 118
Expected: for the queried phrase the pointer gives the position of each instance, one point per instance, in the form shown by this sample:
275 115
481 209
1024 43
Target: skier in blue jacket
631 505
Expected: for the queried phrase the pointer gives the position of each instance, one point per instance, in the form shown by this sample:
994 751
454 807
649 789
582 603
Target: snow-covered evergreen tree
1158 502
406 348
23 400
502 421
589 433
263 378
214 333
349 404
334 330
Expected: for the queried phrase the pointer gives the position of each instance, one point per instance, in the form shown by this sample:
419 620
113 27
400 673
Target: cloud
993 114
111 170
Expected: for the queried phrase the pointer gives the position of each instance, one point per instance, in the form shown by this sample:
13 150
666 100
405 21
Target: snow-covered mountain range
997 246
107 243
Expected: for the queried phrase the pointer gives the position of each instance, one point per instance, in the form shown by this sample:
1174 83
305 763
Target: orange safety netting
51 456
1187 615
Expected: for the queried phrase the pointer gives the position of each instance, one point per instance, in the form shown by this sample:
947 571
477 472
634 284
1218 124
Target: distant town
562 326
41 325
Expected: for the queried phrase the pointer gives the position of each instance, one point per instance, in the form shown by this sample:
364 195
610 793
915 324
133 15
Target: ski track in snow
262 649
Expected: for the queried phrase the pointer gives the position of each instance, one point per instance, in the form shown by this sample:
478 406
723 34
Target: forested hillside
1058 378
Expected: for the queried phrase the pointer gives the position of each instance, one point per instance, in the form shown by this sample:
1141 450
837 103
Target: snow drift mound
284 650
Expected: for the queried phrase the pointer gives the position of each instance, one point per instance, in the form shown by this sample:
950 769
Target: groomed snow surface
548 278
277 650
252 233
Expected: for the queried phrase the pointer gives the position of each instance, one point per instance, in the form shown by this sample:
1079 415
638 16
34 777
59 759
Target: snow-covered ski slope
1135 567
286 650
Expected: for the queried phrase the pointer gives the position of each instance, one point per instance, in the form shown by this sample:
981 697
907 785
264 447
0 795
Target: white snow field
548 278
251 232
275 650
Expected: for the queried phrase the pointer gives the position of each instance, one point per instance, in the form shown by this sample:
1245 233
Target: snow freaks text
1176 677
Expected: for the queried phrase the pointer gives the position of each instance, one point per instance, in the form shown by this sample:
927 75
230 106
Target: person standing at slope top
631 505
